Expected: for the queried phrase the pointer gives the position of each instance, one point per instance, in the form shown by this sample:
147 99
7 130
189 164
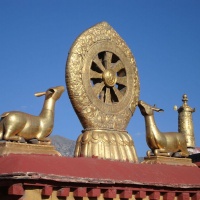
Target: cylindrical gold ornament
185 122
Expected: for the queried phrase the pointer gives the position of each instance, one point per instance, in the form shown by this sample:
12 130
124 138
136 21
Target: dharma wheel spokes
108 77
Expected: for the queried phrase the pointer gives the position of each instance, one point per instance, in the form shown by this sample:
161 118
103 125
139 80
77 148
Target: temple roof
95 171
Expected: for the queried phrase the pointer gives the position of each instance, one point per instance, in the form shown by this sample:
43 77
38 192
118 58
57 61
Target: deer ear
39 94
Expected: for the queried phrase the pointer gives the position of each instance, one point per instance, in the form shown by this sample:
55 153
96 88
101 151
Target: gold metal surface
24 148
161 144
108 144
102 82
168 161
185 123
21 127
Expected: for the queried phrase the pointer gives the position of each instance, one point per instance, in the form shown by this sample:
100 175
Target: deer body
161 143
20 126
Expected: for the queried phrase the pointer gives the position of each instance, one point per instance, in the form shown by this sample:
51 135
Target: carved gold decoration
168 161
21 127
24 148
108 144
185 123
102 80
161 144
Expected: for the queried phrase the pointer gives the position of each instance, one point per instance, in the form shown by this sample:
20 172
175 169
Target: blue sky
164 37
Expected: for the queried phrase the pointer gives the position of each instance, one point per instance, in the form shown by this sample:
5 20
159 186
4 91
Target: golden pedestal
24 148
168 161
106 144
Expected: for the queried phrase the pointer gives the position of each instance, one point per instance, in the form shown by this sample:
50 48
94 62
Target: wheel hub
109 77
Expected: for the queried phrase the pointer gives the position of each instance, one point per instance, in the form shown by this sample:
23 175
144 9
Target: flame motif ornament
103 86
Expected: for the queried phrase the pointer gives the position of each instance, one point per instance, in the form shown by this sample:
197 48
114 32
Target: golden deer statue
161 144
21 127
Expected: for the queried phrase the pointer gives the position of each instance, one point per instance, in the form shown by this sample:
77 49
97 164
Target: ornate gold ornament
20 127
103 85
161 144
185 123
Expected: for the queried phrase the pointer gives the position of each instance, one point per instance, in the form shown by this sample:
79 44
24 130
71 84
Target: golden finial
185 123
185 99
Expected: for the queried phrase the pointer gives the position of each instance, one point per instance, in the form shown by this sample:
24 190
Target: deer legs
158 152
10 137
42 141
163 152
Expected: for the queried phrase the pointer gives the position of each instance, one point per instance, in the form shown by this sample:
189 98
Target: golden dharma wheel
102 79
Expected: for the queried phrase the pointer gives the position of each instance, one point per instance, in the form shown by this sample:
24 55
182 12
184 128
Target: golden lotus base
168 161
106 144
24 148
